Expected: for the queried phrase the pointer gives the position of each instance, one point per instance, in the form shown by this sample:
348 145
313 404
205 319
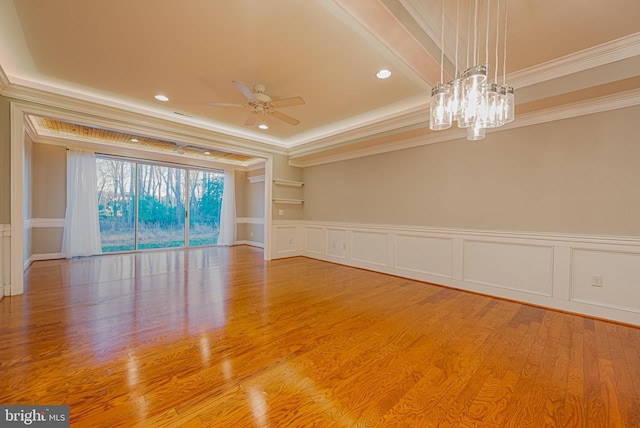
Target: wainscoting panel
314 240
369 247
5 260
424 254
337 243
519 267
286 241
554 271
606 278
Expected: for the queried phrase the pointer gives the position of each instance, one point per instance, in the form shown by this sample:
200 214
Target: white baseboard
39 257
251 243
48 256
550 270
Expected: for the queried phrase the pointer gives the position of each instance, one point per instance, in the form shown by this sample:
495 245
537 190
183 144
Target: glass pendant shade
509 104
492 117
475 132
440 116
455 98
474 76
473 102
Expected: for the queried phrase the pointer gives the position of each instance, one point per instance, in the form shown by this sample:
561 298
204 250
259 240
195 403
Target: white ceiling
121 53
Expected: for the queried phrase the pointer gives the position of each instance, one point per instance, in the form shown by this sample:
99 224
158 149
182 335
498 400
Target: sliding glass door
116 204
205 196
161 209
154 213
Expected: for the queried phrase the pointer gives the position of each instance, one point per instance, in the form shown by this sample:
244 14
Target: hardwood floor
219 337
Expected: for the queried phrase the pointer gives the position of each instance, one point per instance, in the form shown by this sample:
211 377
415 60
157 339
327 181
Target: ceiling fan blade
244 89
252 118
283 117
196 148
224 105
287 102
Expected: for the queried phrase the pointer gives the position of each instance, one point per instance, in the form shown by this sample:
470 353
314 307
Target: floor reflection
125 299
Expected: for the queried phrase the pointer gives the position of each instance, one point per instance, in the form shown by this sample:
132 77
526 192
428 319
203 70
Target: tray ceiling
121 53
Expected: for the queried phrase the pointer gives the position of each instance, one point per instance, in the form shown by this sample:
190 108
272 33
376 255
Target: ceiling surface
121 53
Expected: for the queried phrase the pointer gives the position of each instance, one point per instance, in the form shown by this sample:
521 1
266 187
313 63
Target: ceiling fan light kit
471 99
262 104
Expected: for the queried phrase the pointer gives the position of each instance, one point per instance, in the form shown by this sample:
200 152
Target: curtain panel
81 227
227 234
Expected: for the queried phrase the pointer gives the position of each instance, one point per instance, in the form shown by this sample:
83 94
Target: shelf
256 179
288 183
288 201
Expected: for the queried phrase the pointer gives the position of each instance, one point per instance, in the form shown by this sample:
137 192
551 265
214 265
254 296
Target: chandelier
472 99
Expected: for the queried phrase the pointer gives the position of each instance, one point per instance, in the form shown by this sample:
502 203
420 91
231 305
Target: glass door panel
205 200
116 204
161 209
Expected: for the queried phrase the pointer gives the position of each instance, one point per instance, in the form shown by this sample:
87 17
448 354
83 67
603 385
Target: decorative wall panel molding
424 254
606 278
5 260
521 267
597 276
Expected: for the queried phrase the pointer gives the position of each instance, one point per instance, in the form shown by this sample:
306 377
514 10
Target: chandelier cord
475 33
442 46
486 39
468 31
504 67
495 79
455 76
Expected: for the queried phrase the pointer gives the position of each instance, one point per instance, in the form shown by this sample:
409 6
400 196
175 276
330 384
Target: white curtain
227 235
81 225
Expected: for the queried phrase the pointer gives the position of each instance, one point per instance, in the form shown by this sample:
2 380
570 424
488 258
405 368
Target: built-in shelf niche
288 201
288 183
256 179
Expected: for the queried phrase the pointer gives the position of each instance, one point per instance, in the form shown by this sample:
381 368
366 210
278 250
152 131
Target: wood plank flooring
219 337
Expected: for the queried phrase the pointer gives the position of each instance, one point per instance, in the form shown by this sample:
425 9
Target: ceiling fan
261 103
180 149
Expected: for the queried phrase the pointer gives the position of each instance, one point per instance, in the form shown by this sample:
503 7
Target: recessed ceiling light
263 126
161 97
134 140
383 74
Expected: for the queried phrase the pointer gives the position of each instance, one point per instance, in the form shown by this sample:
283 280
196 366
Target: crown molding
114 149
4 81
62 107
609 102
401 121
615 50
46 136
77 99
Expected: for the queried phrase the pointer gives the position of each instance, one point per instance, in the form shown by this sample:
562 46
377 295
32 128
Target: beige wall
241 189
254 197
47 196
250 232
49 178
5 161
578 175
250 204
46 240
